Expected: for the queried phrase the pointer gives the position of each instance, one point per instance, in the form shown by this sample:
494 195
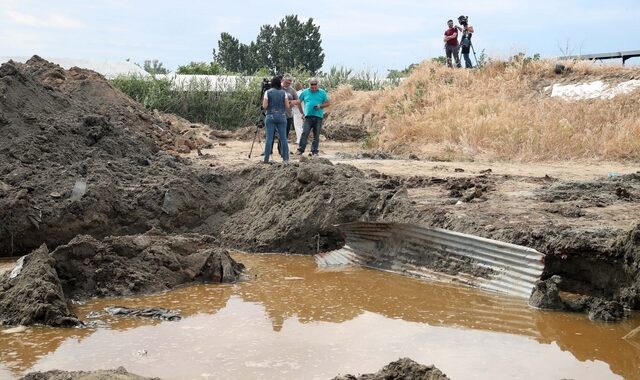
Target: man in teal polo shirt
315 100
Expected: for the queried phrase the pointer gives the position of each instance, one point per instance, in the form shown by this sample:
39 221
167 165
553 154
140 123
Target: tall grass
502 110
197 100
364 80
235 105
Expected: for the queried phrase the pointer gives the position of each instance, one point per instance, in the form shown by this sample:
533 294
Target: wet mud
40 292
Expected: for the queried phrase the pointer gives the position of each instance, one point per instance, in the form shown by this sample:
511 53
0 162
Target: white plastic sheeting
592 90
185 82
108 69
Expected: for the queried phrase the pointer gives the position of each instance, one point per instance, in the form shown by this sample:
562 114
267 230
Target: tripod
474 54
259 124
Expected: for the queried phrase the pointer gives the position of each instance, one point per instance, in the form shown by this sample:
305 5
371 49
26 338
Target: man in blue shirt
315 100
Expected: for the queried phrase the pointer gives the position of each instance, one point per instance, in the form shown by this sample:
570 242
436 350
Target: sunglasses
313 84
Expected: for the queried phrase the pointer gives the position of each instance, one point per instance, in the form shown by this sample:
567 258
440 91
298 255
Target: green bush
197 101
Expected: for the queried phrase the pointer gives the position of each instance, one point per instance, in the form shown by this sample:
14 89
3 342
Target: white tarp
592 90
109 69
185 82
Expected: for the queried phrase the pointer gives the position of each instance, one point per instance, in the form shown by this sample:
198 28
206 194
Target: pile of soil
79 157
118 374
117 266
401 369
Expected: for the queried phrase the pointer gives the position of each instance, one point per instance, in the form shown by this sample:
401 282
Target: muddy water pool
291 320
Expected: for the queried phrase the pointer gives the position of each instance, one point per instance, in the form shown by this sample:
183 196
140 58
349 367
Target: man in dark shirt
451 44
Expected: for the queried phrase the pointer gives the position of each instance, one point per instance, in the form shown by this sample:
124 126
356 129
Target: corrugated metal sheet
439 254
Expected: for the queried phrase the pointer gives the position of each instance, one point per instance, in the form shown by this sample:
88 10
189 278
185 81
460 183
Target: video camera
265 85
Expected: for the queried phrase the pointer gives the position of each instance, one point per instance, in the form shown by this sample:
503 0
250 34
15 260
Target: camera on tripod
266 85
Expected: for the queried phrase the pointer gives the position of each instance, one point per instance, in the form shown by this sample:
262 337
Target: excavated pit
81 158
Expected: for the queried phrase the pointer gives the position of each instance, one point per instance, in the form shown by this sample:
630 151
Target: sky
364 35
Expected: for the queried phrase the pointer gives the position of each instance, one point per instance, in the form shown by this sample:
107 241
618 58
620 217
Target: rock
401 369
118 374
605 311
35 296
546 294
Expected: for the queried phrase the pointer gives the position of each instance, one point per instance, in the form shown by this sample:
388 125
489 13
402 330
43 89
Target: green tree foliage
291 44
397 74
154 67
201 68
440 59
229 53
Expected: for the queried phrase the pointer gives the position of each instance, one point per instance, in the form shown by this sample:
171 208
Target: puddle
294 321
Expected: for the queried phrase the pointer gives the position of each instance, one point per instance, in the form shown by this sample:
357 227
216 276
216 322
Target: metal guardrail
624 55
439 254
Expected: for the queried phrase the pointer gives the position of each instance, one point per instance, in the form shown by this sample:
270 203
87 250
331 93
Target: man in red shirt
451 44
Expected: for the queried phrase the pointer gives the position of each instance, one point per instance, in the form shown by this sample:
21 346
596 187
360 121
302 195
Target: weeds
230 106
502 111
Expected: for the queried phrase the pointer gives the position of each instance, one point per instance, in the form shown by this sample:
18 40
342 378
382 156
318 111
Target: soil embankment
79 157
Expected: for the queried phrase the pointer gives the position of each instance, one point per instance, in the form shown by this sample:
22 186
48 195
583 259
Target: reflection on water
294 321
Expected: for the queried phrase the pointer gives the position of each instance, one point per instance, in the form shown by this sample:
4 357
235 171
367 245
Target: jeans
311 123
467 60
273 122
289 126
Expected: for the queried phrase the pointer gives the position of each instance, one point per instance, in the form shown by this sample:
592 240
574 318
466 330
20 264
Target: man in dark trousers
451 44
315 101
465 41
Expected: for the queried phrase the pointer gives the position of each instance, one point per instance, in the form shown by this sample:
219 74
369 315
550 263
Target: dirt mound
292 207
353 115
79 157
116 266
34 295
64 133
139 264
401 369
118 374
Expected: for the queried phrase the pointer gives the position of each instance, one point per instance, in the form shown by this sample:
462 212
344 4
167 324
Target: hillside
503 111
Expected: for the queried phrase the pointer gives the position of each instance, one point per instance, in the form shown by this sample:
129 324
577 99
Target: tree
154 67
229 52
288 45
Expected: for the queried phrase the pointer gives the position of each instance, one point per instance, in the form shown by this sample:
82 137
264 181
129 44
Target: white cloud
52 20
349 24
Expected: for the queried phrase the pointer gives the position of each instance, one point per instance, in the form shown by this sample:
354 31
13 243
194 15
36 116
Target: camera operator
451 46
465 41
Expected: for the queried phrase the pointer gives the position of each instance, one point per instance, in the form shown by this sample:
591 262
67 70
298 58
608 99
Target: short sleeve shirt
292 95
312 99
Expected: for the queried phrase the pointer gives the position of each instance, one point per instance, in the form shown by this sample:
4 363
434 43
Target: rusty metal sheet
438 254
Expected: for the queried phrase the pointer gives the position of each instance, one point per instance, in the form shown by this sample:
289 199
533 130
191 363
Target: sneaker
313 154
298 153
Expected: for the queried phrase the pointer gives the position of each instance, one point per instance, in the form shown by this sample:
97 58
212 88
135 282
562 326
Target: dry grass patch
503 111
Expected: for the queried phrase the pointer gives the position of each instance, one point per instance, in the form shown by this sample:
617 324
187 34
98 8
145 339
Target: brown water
294 321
